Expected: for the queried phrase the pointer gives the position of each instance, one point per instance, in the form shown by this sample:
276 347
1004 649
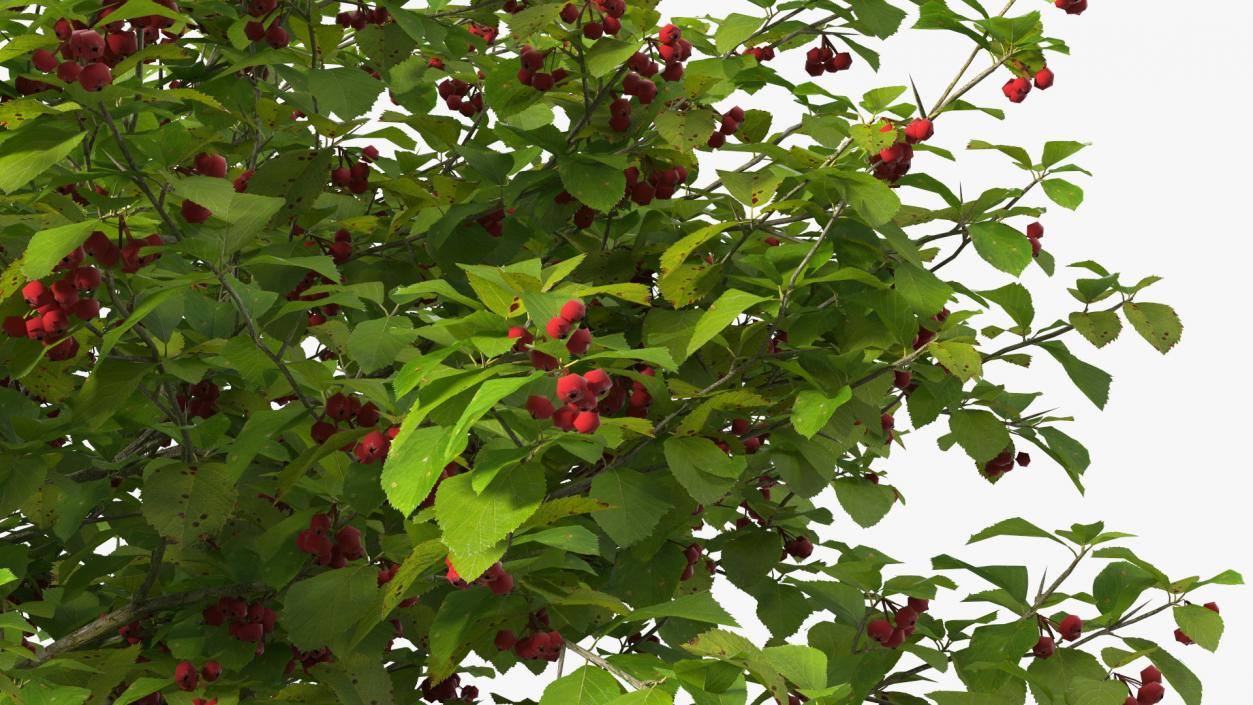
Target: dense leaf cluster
359 354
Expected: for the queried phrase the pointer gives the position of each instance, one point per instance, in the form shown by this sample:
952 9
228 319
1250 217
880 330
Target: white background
1160 89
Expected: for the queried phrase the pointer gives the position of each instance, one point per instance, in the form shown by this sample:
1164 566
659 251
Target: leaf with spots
1156 323
184 502
752 188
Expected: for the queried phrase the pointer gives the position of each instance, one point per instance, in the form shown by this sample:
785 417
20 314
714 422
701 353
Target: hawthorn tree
309 400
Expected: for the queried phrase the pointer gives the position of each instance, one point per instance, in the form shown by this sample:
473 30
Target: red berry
573 310
587 422
186 677
919 130
879 630
572 387
557 328
210 671
579 341
539 407
1044 78
1151 693
1071 628
1044 647
1151 675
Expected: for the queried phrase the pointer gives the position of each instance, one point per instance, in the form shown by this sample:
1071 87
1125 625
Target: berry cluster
799 547
87 57
487 34
54 304
1017 88
926 335
355 176
752 443
1072 7
661 184
1149 689
825 59
358 19
540 643
307 659
762 54
638 82
1004 462
905 618
694 553
731 121
495 578
246 622
446 691
603 17
349 410
201 399
188 677
894 161
1035 231
316 541
317 315
461 96
532 71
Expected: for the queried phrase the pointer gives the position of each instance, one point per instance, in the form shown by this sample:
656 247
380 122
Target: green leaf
980 433
687 130
873 200
346 92
357 679
636 503
473 522
1180 678
1085 691
733 30
375 343
184 503
531 21
925 292
1063 193
752 188
704 470
962 359
1001 246
878 18
412 466
247 213
866 502
595 184
1014 527
588 685
698 607
1202 625
1016 300
1099 327
802 665
1058 672
324 610
721 313
1091 380
608 54
813 409
1118 586
1156 323
459 615
684 247
1056 152
47 247
24 44
33 150
648 696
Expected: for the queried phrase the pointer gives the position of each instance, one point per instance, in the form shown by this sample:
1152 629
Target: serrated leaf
813 409
1156 323
704 470
473 522
1001 246
687 130
980 433
1202 625
1099 327
184 503
752 188
962 359
595 184
866 502
720 314
636 504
